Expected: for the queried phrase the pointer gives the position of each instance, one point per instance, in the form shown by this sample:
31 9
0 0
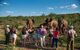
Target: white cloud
67 6
74 6
37 13
9 12
3 3
51 8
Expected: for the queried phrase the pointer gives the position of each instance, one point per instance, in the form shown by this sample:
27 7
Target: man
7 34
70 42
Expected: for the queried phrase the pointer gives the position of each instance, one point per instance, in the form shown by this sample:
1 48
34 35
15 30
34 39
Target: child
55 37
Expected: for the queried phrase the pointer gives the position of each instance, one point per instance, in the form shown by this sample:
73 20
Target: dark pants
7 36
56 42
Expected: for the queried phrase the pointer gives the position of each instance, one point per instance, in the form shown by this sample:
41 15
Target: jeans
56 42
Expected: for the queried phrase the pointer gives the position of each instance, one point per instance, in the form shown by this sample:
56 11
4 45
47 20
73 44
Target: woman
13 35
42 32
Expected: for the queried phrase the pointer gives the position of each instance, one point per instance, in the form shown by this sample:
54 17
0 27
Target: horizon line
41 14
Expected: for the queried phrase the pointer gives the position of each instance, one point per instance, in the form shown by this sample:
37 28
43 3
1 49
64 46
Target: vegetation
17 21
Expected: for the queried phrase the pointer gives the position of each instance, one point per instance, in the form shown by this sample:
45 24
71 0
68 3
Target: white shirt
72 32
7 30
26 35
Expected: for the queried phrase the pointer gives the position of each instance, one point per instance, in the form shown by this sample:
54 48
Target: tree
51 14
43 14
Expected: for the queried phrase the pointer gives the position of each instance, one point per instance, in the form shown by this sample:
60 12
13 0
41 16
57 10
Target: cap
7 25
71 27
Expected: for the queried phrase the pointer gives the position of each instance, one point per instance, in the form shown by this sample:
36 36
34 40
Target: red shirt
55 34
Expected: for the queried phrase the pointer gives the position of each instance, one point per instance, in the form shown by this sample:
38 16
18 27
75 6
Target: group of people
40 34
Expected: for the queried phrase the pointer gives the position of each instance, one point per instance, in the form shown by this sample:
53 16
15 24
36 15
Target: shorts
24 36
14 36
37 36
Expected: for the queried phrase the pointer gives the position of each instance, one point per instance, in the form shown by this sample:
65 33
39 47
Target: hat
7 25
71 27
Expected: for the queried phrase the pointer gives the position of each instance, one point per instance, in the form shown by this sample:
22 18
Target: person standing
7 34
55 37
70 38
36 36
42 32
13 35
25 35
50 35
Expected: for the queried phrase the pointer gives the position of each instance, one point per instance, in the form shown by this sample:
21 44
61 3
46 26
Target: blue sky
38 7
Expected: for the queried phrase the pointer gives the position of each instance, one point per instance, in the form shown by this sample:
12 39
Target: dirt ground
2 47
